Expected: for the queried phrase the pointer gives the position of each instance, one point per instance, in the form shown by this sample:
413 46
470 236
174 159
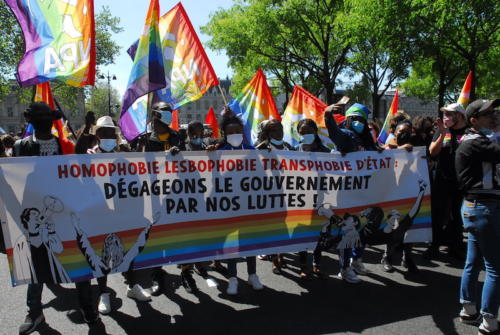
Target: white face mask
235 140
166 117
107 144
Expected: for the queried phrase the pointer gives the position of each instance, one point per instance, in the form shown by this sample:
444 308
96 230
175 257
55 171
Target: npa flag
188 71
304 105
253 105
465 94
147 75
211 119
60 41
43 93
384 132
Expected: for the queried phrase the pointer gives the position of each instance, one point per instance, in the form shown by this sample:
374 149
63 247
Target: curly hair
229 118
25 216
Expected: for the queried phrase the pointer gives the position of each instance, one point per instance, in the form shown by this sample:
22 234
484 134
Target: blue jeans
482 222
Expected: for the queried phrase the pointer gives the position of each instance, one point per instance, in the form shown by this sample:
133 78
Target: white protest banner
71 218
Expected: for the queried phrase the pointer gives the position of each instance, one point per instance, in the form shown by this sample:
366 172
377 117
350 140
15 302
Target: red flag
175 120
211 119
43 93
465 94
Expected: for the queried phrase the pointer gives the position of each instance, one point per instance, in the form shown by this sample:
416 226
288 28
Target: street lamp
108 77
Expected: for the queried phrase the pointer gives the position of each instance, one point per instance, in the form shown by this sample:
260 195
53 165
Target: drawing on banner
352 233
114 258
35 251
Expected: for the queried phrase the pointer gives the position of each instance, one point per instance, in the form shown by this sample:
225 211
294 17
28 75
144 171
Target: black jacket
477 165
153 144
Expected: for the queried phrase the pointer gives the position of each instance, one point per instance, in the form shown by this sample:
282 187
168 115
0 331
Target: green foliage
97 100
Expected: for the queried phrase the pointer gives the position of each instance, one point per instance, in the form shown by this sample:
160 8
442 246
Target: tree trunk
376 104
441 90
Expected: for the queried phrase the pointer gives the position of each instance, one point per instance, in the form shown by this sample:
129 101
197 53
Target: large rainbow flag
147 73
384 132
188 71
255 104
304 105
465 94
60 41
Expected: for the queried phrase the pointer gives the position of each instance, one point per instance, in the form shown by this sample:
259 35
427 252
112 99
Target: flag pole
223 95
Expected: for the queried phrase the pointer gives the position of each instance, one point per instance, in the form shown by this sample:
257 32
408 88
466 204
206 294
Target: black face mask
403 138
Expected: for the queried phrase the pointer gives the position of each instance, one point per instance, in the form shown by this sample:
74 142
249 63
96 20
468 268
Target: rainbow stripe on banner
384 132
255 104
60 41
185 242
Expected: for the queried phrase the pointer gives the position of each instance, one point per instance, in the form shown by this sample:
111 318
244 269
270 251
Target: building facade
197 111
12 114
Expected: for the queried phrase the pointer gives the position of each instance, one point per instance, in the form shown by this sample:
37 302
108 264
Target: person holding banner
271 138
163 138
478 172
355 136
310 142
106 133
232 130
43 143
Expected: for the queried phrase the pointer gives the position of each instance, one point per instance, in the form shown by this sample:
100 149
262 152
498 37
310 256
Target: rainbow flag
147 73
211 119
188 71
255 104
304 105
384 132
60 41
465 94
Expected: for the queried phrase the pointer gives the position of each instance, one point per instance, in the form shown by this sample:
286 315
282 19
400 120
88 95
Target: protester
161 139
478 173
395 120
446 197
43 143
232 129
374 128
105 132
89 123
423 131
271 138
354 137
310 142
2 151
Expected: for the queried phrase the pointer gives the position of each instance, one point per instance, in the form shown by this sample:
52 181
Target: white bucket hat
104 122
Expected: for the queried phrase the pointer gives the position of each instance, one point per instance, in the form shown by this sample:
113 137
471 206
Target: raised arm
140 243
416 207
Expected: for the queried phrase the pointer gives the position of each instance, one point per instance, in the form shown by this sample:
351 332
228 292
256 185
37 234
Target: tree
97 100
380 48
466 28
296 41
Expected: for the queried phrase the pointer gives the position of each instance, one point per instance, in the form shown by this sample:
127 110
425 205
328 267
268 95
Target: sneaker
158 285
386 264
254 281
358 266
232 287
138 293
489 326
349 276
470 319
104 305
483 331
31 322
188 282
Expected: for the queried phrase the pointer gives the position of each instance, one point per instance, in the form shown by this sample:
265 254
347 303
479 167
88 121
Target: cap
478 106
162 106
358 110
456 107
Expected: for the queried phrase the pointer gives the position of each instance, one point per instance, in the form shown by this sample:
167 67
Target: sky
132 14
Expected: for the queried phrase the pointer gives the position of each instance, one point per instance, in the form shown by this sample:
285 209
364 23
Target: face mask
166 117
276 142
307 138
403 138
8 152
358 127
448 121
485 131
107 144
235 140
197 141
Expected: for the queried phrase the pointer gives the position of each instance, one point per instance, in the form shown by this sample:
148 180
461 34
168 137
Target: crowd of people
463 155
